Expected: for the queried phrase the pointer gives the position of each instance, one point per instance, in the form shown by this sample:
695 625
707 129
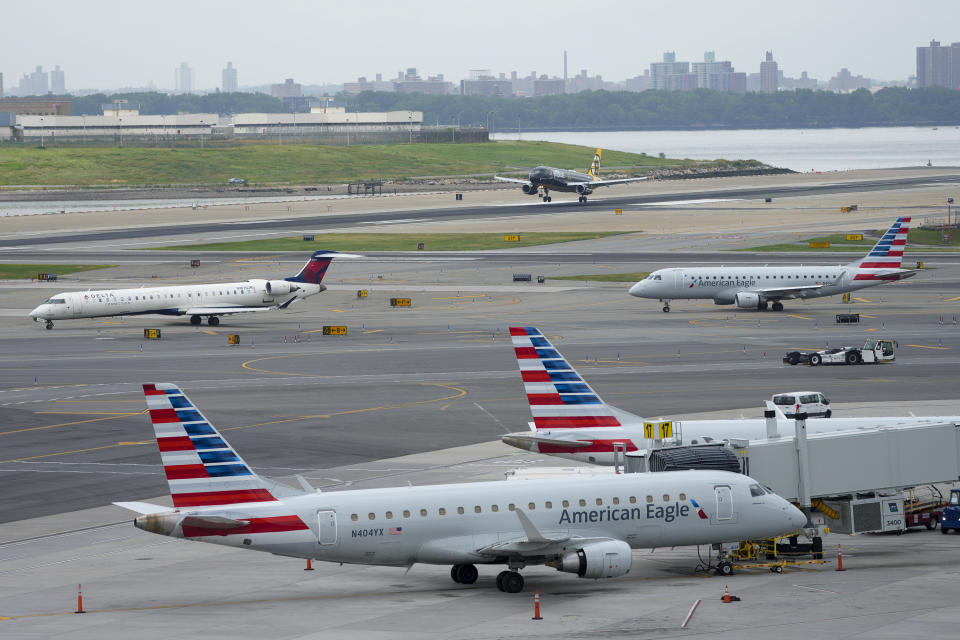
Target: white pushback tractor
872 352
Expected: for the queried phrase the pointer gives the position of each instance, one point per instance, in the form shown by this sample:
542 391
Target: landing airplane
193 300
585 526
543 179
571 421
756 287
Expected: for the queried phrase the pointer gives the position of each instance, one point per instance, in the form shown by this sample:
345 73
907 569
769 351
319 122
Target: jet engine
529 189
584 190
279 287
607 559
747 300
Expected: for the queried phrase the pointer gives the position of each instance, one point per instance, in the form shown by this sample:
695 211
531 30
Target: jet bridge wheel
510 582
195 320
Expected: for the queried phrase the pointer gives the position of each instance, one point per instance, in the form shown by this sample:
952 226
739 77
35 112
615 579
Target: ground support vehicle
872 352
950 516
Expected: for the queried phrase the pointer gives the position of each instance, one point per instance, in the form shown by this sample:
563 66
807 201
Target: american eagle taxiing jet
756 287
194 300
542 179
586 526
571 421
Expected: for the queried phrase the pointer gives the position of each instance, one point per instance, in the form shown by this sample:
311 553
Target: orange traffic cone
79 600
536 606
726 594
309 565
840 559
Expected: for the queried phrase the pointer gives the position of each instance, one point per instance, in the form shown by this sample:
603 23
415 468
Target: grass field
294 164
606 277
397 242
925 238
20 271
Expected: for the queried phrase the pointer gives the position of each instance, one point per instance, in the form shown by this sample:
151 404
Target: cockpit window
55 301
756 490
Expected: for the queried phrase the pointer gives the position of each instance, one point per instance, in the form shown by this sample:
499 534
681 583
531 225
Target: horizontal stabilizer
520 439
143 507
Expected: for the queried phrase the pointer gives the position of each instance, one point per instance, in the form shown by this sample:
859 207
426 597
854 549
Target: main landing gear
507 581
196 321
777 306
583 200
546 195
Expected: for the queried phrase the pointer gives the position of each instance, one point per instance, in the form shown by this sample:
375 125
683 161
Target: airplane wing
603 183
516 180
534 544
218 311
787 292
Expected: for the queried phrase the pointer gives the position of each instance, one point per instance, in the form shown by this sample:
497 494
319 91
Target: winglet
533 534
595 165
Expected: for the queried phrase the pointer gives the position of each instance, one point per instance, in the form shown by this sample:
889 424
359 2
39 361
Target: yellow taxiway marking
313 331
863 315
445 407
793 315
61 453
338 310
111 322
862 300
87 413
954 299
67 424
476 295
209 332
373 331
99 401
874 329
124 444
924 346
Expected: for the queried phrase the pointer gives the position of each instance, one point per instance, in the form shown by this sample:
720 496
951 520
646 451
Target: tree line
610 110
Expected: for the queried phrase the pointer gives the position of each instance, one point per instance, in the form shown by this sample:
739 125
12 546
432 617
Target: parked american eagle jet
756 287
586 526
193 300
571 421
542 179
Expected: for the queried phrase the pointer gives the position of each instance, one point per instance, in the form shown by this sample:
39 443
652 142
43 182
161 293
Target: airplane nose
34 313
796 517
637 289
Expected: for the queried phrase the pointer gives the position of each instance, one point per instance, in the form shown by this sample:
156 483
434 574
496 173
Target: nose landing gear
666 305
49 325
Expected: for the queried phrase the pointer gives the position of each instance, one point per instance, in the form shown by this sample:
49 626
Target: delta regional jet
758 287
195 300
571 421
585 526
542 179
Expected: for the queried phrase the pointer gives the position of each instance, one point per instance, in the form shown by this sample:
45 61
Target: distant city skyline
323 44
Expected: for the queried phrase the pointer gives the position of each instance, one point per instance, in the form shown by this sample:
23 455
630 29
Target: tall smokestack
564 70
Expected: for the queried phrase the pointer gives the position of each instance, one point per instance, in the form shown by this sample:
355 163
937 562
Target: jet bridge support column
803 462
771 416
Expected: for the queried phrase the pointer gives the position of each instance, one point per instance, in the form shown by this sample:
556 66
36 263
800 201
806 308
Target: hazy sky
112 44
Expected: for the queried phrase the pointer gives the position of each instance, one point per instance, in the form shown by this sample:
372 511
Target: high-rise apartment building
938 66
289 89
768 74
58 83
183 79
719 76
229 79
671 74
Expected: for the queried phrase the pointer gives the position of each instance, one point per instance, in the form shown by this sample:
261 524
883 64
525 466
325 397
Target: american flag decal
395 531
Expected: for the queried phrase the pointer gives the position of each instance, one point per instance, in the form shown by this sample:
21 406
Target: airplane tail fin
316 267
559 398
595 165
883 261
202 468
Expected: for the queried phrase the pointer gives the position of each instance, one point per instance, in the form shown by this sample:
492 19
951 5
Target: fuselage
450 524
561 179
173 300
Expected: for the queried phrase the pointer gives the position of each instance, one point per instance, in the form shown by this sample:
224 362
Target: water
797 149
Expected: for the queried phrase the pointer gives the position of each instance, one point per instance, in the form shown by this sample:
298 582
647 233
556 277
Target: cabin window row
494 508
788 277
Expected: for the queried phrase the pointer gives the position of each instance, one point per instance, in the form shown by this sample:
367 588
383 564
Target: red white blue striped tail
559 398
883 261
202 468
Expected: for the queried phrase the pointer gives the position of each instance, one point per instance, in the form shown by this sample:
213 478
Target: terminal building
331 124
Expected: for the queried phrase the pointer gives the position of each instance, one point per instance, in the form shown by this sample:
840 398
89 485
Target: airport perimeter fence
429 135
